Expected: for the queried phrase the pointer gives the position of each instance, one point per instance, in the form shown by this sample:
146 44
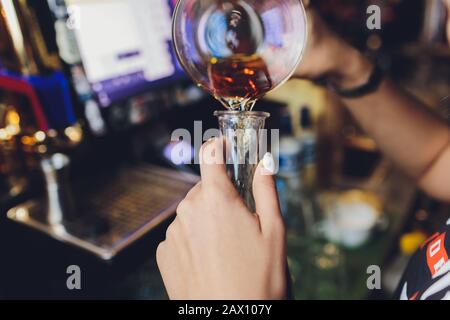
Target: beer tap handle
17 85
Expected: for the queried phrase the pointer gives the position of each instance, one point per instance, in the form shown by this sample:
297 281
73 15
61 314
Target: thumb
266 197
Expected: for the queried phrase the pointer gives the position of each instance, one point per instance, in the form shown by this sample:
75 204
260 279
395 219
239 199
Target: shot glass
245 143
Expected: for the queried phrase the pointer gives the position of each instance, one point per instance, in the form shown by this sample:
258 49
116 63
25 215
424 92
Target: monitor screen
125 45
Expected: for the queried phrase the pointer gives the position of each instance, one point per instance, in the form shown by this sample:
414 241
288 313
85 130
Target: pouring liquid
239 81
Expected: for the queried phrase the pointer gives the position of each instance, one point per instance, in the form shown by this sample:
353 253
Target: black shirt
427 276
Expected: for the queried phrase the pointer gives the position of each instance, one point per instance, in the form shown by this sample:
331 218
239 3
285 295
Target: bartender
217 249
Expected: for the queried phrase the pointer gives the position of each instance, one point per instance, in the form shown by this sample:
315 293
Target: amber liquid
239 81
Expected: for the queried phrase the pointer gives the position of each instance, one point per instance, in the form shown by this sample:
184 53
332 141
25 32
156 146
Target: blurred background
90 93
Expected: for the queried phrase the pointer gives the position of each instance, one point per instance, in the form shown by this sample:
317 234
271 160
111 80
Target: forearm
406 131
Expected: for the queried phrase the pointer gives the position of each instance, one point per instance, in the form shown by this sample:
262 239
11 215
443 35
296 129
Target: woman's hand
327 55
216 248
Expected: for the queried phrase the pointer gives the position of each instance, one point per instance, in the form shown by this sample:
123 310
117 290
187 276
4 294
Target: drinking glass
244 147
238 50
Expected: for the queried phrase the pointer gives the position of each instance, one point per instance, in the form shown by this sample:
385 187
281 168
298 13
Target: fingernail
269 164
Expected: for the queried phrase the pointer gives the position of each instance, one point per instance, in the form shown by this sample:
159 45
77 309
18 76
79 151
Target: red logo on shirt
436 254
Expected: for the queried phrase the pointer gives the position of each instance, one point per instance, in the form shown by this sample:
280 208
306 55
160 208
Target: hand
216 248
327 55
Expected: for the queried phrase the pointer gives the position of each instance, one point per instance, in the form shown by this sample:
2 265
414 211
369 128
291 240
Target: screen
125 45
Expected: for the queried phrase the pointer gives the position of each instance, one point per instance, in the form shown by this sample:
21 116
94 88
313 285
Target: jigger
60 204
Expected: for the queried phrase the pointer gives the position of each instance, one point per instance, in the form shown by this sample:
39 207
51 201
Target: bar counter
35 266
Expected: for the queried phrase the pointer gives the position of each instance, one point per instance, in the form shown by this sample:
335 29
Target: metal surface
114 211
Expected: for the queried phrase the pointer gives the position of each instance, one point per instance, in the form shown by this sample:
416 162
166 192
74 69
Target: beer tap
37 122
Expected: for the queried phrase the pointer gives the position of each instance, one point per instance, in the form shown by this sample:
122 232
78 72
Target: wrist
352 70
